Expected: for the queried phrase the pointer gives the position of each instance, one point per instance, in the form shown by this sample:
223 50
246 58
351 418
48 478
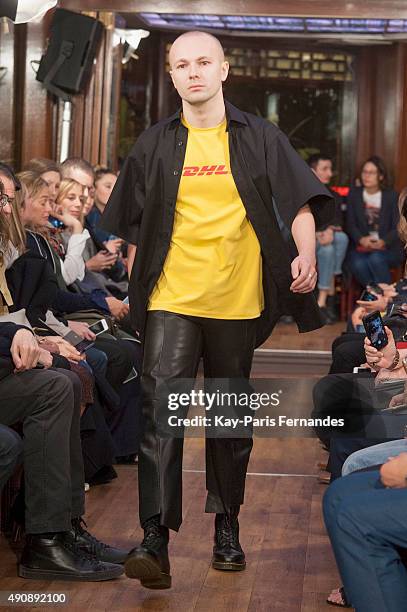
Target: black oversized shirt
273 183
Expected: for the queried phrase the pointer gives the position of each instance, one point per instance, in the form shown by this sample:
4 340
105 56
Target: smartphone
99 327
84 345
56 222
367 296
374 327
375 288
126 300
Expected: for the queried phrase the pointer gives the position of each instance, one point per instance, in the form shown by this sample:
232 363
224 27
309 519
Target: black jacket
356 221
273 183
7 332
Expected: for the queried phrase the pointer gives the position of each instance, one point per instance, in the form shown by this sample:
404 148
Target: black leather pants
173 347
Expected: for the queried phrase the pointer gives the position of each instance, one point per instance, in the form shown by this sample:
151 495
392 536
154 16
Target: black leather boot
87 542
227 553
57 557
149 562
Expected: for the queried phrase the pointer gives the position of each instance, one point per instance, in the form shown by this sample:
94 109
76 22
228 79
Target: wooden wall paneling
401 113
113 132
96 104
36 136
7 106
77 126
396 9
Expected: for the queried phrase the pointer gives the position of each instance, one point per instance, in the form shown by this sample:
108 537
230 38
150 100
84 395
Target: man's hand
117 309
383 358
45 358
378 245
398 400
24 350
379 304
101 261
304 274
65 348
113 245
366 242
393 473
82 329
325 237
357 316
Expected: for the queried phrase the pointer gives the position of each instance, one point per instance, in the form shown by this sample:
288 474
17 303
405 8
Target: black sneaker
227 553
149 562
87 542
57 557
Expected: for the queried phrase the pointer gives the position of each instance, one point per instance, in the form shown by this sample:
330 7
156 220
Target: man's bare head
198 66
196 38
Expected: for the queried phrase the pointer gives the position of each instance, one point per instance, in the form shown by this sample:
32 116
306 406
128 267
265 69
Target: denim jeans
374 455
330 259
372 267
366 524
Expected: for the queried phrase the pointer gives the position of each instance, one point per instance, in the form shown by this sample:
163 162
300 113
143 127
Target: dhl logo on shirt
204 170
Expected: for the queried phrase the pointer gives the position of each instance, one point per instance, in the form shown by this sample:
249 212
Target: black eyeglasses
5 199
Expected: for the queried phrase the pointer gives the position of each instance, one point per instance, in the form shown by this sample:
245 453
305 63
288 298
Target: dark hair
7 171
76 162
381 170
102 171
40 165
313 159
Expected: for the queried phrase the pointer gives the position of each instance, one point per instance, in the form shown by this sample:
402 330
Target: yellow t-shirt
213 266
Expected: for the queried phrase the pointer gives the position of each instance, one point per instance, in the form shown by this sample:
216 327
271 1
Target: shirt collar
233 114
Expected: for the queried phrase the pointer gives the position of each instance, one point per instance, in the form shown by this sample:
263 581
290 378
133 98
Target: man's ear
225 71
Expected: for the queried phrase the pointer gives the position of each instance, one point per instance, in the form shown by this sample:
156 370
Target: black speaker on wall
67 62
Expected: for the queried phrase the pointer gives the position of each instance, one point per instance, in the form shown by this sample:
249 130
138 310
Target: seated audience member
332 243
105 180
11 453
49 171
57 546
372 217
365 516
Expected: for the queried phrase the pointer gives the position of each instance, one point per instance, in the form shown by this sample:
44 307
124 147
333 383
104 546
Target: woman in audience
372 219
48 170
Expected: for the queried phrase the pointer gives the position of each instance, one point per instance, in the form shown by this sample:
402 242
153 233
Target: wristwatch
395 363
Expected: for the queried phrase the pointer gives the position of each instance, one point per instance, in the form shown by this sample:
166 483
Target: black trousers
47 402
173 346
11 453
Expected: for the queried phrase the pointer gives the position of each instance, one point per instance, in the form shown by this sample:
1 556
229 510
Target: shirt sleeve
294 184
73 266
124 210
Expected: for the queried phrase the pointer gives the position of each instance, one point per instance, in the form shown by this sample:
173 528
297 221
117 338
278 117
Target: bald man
202 196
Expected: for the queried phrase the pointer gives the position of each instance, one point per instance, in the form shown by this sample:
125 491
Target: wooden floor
290 566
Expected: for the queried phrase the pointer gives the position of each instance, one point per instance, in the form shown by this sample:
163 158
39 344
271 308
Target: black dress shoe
87 542
227 553
105 475
57 557
149 562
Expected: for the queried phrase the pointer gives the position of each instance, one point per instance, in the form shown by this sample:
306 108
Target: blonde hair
65 186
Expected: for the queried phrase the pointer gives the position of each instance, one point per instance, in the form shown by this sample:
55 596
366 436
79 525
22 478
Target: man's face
323 170
198 68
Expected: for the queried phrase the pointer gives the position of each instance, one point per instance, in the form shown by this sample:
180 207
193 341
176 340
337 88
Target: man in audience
47 403
365 515
332 243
